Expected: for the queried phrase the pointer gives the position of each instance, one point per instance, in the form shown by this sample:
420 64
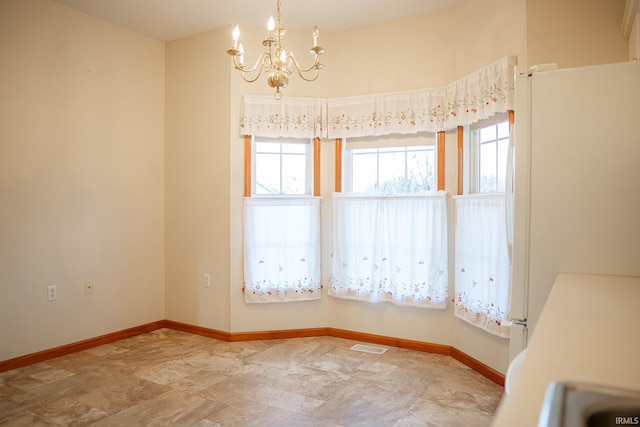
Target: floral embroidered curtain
390 248
482 274
480 95
284 118
281 249
477 96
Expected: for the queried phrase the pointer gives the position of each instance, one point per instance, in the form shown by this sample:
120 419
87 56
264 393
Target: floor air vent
369 349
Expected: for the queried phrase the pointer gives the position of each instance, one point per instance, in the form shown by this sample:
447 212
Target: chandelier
275 60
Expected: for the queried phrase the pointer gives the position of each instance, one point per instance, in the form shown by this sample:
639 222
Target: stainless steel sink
571 404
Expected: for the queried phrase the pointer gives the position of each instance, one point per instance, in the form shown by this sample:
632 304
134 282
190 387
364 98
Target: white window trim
394 141
309 165
470 184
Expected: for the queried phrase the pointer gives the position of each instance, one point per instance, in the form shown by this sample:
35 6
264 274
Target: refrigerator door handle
520 322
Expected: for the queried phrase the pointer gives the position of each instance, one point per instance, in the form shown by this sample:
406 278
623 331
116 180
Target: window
394 165
281 234
482 279
489 147
389 244
282 167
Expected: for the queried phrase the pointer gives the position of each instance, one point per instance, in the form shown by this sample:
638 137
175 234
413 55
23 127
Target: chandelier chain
279 27
278 13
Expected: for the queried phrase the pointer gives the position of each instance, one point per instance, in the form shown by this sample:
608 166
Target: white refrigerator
576 205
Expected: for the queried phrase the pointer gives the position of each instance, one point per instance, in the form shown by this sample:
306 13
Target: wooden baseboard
41 356
245 336
198 330
478 366
426 347
278 335
446 350
391 341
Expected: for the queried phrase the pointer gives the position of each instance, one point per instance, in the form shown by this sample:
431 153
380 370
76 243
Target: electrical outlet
206 280
52 293
88 287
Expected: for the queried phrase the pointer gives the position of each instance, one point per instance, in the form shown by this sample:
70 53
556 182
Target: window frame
468 168
342 161
249 169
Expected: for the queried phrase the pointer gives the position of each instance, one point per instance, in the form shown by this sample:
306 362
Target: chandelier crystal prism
277 62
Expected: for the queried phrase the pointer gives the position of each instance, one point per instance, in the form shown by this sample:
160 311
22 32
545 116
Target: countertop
589 331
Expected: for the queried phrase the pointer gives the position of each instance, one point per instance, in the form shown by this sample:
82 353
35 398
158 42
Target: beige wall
104 162
197 173
81 177
427 50
634 38
575 33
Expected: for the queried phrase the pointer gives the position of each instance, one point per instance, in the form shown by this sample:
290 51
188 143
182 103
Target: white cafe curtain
281 249
482 273
390 248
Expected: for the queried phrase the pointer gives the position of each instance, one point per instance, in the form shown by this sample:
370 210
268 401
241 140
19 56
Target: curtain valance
477 96
287 117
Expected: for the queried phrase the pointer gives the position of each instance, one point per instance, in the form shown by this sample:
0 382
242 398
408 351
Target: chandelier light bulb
236 35
316 34
271 25
283 55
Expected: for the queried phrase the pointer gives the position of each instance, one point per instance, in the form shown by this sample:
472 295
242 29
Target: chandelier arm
301 70
315 76
260 62
250 80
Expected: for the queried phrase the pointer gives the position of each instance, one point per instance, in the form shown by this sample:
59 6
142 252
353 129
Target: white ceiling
173 19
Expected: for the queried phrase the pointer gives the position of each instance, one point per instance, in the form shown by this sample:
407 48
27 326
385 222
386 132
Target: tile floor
173 378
